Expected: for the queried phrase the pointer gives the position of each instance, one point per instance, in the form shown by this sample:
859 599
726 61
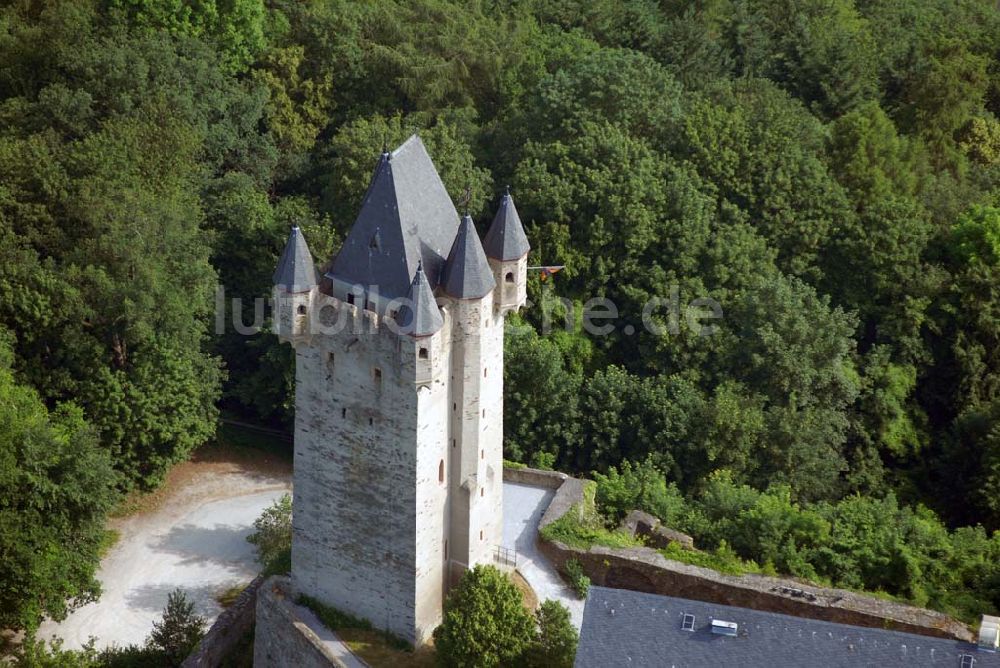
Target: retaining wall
282 638
645 569
228 630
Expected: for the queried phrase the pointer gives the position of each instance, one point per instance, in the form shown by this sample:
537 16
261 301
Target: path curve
523 507
195 540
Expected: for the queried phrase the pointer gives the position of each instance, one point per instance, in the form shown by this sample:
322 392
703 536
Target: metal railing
505 556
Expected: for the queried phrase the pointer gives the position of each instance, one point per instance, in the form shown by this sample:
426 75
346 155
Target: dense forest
828 171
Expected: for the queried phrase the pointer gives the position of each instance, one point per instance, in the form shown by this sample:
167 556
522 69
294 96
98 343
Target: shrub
577 579
485 623
272 536
555 645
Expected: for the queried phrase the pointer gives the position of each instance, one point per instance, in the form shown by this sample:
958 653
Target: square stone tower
398 467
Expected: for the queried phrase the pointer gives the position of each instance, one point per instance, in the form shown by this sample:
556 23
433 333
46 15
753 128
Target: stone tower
399 397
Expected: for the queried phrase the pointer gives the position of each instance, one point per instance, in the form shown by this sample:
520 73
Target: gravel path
523 507
195 540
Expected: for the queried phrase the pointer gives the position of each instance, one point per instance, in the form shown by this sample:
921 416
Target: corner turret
294 287
467 272
507 248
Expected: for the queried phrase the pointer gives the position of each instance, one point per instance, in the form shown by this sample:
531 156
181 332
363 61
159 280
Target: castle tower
398 401
477 403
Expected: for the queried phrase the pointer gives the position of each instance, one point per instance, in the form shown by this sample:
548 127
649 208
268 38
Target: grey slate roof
467 273
295 272
505 240
406 218
419 314
645 630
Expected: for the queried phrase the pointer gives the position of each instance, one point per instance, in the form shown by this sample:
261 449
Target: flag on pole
549 270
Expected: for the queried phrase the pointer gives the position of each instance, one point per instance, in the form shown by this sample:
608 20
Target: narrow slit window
371 421
484 372
343 413
378 375
329 360
441 471
481 492
480 534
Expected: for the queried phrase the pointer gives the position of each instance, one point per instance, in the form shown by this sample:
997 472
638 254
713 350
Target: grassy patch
527 593
109 539
379 649
228 597
508 464
723 560
582 526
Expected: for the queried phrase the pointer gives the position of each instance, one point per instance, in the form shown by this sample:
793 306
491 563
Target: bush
555 645
272 536
577 579
485 623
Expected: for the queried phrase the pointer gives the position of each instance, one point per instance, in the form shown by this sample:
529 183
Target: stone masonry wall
356 474
282 639
645 569
228 630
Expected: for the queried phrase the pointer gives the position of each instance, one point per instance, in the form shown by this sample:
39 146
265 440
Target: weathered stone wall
356 471
645 569
228 630
282 639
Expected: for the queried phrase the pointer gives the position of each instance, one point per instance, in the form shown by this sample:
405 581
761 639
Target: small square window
687 624
968 661
422 354
350 298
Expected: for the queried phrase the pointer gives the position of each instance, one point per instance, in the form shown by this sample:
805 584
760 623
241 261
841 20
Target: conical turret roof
295 272
419 314
506 239
467 272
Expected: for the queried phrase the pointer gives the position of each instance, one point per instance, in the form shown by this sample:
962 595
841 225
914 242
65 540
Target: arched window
509 277
423 353
441 471
302 309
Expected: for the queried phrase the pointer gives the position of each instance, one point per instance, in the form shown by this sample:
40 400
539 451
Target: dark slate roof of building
628 628
505 240
295 272
419 315
406 218
467 273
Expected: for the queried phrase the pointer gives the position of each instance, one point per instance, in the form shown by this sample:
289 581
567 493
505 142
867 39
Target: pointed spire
467 273
505 239
419 315
409 209
295 272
